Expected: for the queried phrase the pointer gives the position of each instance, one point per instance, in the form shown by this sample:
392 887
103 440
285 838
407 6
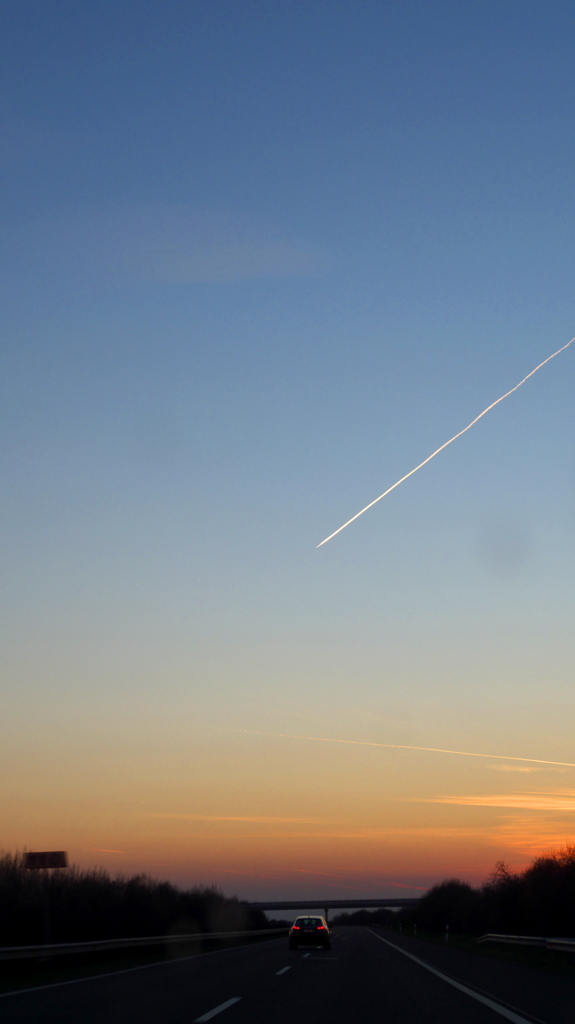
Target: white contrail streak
451 440
404 746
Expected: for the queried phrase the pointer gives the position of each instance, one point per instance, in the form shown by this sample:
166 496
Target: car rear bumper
309 939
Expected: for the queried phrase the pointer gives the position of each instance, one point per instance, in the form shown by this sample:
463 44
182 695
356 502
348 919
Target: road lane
217 1010
543 995
176 992
509 1013
362 979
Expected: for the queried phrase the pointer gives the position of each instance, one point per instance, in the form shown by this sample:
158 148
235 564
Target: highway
368 976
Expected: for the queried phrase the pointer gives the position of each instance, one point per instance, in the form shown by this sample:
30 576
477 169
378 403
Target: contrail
405 746
451 440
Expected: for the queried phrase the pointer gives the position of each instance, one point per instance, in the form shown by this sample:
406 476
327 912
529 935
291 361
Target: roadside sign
50 859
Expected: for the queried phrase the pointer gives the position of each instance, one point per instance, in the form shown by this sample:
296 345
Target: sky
259 261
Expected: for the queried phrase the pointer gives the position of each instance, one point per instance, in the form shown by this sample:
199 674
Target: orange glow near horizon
261 815
353 857
281 267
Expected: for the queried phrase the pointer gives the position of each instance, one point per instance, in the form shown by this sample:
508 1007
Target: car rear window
309 922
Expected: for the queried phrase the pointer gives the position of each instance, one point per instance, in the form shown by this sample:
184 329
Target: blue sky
259 261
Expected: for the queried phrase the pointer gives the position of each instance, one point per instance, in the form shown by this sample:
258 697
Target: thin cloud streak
531 834
367 834
248 874
364 834
98 849
165 242
349 888
445 445
258 820
526 801
405 746
369 885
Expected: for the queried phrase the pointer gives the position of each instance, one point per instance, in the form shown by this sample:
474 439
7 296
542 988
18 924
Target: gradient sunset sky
261 259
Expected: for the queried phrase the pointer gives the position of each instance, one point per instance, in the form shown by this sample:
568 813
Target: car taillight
295 927
320 928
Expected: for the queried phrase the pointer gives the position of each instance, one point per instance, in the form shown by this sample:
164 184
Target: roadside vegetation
72 905
537 901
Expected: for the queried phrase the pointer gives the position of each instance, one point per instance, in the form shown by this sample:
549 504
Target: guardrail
566 945
70 948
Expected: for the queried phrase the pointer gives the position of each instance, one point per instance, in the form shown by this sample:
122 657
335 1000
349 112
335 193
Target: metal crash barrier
565 945
71 948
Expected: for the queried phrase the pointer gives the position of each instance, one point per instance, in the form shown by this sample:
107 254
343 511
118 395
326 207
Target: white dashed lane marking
216 1010
283 970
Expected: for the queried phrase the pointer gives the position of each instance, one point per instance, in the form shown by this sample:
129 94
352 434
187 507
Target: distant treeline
537 901
72 905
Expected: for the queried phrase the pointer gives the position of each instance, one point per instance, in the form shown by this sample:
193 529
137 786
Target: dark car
309 931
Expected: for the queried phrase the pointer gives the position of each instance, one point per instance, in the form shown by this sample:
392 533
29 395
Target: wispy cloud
349 887
247 874
368 835
531 835
98 849
263 819
563 800
406 746
342 876
168 243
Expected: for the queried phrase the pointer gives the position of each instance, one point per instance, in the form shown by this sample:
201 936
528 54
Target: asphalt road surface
368 976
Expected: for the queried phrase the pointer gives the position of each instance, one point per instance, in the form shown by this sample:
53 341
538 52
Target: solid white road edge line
216 1010
283 970
497 1007
125 970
